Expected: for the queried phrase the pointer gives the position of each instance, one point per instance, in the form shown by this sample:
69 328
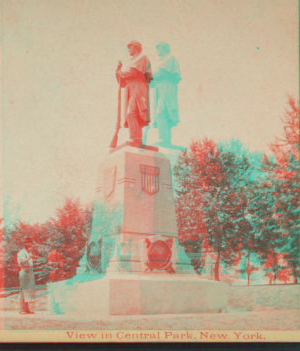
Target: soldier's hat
136 44
163 44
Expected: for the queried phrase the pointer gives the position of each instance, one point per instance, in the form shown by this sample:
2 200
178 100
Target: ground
249 308
267 320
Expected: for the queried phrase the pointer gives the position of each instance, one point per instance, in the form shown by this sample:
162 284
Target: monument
134 263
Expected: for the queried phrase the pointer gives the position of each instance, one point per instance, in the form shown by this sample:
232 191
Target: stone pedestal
134 263
146 294
134 216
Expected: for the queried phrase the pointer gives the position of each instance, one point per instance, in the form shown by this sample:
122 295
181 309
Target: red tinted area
159 255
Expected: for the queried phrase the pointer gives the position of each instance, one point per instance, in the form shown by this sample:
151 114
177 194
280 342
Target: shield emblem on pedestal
110 177
94 255
150 179
159 255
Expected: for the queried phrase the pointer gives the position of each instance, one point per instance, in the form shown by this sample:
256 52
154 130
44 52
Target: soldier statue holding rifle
134 79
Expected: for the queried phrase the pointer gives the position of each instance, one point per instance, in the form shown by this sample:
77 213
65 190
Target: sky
238 59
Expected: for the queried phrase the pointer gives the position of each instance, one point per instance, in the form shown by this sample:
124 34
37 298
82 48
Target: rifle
114 141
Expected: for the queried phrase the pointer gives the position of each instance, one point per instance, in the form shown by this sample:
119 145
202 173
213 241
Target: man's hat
135 43
163 44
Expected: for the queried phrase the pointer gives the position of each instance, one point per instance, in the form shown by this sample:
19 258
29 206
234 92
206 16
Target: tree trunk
276 267
295 276
270 279
217 265
248 270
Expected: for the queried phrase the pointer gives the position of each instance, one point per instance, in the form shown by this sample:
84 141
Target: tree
218 172
272 265
68 231
11 211
284 275
288 144
284 172
189 209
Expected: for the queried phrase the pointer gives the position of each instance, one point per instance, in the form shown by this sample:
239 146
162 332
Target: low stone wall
257 298
264 297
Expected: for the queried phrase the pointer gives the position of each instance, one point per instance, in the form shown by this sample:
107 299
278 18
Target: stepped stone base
160 293
134 263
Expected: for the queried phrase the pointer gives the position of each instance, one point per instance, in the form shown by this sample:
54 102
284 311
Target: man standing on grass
26 277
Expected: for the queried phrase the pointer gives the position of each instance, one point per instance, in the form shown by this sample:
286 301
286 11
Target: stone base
130 294
166 148
136 145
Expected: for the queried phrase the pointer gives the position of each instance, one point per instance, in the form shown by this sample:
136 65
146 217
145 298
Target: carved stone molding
110 177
